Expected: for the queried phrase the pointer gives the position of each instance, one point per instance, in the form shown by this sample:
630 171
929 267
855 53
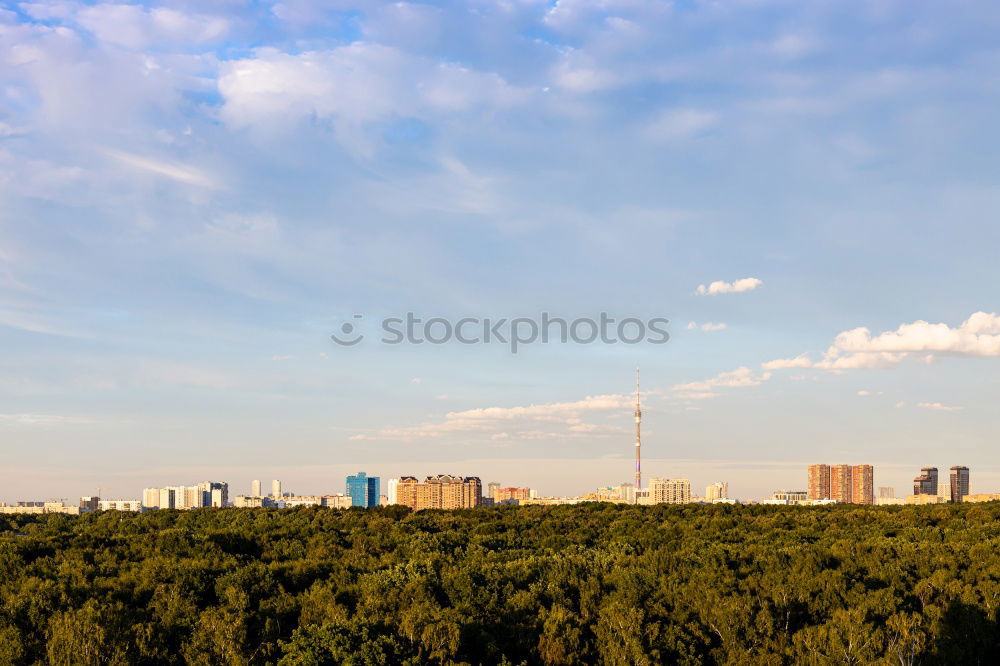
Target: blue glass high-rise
363 489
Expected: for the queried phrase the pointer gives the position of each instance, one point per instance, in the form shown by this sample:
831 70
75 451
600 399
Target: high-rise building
511 495
440 492
391 496
206 493
959 482
718 490
214 493
885 492
927 482
669 491
491 490
167 498
255 488
840 483
276 489
151 498
363 489
91 503
862 484
819 482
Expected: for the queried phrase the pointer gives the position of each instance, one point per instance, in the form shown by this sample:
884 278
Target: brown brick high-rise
863 484
840 483
440 492
819 482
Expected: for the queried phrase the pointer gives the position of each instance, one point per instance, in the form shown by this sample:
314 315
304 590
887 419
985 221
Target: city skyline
220 188
844 483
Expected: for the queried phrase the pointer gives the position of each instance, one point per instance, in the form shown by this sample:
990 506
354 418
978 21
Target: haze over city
196 196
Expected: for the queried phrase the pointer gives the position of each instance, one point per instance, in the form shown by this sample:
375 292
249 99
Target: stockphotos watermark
513 332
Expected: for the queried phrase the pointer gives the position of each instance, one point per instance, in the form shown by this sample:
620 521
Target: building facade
983 497
41 507
511 495
134 506
363 489
927 498
718 490
819 482
959 483
669 491
790 496
841 484
926 483
201 495
439 492
862 484
848 484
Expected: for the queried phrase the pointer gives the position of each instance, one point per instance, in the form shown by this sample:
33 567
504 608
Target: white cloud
801 361
937 406
979 335
352 86
740 377
736 286
707 326
864 394
133 26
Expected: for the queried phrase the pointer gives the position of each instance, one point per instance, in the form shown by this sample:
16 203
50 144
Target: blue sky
196 194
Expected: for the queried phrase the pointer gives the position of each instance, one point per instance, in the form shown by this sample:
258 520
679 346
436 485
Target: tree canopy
594 583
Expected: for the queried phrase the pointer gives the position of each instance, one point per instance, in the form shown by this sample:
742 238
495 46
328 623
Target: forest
584 584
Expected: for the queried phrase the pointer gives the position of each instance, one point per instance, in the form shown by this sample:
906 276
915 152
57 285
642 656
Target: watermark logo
348 335
513 332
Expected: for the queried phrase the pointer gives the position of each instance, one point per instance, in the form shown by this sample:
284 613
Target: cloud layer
979 335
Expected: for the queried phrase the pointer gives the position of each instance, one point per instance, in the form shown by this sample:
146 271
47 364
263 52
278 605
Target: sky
194 196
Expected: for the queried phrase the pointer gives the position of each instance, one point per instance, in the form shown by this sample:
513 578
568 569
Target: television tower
638 435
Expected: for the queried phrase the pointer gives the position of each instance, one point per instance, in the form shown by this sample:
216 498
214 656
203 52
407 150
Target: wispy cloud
182 173
937 406
42 420
560 420
740 377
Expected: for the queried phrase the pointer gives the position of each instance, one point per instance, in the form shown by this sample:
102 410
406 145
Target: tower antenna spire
638 434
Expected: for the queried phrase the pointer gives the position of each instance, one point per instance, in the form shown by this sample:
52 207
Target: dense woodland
589 584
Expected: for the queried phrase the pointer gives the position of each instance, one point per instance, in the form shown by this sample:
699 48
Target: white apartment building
669 491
